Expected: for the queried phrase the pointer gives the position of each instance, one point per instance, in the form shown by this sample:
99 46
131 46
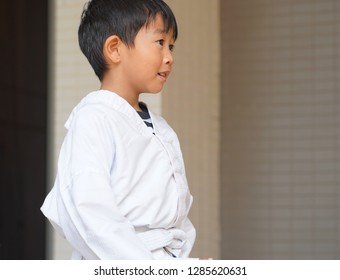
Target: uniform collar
114 101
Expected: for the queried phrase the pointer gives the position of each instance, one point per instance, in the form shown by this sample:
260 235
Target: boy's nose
168 58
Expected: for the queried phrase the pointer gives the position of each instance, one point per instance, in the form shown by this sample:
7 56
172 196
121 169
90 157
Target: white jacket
121 191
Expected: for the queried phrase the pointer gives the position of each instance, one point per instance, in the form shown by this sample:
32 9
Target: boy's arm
89 215
93 224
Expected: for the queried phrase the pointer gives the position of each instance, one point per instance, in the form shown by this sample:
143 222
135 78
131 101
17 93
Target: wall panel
280 129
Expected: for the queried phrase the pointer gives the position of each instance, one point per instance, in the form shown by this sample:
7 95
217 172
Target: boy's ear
111 48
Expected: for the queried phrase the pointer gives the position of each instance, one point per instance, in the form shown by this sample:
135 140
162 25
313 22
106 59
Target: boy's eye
161 42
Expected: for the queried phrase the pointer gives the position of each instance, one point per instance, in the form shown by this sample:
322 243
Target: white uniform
121 191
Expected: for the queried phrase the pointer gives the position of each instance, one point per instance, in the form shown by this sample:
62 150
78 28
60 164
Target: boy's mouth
164 75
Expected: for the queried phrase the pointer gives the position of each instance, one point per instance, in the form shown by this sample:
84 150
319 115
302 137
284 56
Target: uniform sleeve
88 212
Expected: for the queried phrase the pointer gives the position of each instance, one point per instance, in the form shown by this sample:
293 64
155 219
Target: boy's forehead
157 26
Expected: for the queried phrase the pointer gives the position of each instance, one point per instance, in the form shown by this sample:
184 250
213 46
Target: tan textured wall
191 105
280 129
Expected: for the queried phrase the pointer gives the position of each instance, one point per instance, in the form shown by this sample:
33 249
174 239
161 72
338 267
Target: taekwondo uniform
121 190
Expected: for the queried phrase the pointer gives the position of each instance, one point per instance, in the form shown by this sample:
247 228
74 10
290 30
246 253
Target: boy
121 190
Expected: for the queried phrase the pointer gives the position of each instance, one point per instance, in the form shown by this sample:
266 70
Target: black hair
101 19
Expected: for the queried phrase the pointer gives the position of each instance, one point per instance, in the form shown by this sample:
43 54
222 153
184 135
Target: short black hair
101 19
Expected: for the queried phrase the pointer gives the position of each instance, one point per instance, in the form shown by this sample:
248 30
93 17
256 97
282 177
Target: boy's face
148 63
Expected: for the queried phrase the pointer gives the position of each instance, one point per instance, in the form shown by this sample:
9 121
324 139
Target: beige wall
191 105
280 129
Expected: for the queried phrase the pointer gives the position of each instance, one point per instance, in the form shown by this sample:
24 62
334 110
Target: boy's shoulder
95 105
102 101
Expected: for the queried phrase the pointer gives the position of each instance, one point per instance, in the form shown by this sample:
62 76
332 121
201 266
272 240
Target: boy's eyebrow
161 31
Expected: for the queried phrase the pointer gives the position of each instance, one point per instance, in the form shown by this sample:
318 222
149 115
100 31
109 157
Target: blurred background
254 98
